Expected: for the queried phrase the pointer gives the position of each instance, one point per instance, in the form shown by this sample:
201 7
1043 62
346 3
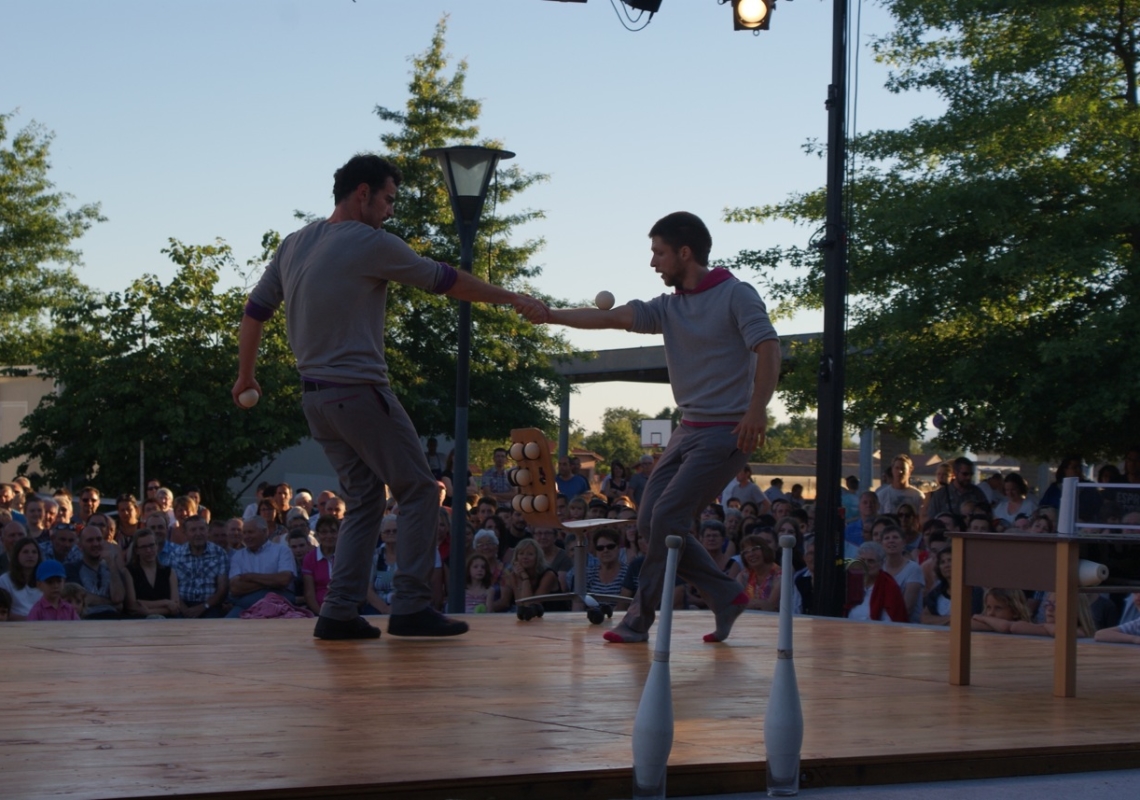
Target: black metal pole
457 560
830 583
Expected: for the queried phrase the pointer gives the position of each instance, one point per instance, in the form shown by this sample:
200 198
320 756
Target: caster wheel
526 613
595 615
607 609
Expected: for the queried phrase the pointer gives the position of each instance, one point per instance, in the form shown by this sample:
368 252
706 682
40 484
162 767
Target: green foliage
620 437
512 380
37 233
155 363
994 271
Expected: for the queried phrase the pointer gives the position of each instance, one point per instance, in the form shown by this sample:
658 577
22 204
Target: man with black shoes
333 277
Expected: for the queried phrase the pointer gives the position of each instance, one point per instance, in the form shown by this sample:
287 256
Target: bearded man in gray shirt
339 269
724 363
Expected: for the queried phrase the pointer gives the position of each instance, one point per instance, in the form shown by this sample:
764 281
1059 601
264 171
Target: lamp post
467 172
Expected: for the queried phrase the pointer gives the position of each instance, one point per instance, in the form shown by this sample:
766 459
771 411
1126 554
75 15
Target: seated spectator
881 598
274 521
299 545
576 508
130 519
51 606
114 554
936 608
908 523
1003 607
936 542
156 524
1016 500
20 579
1085 626
1127 632
101 578
859 530
202 570
597 509
805 580
479 595
216 533
616 484
184 507
606 573
77 596
317 564
789 526
486 544
761 574
1043 520
38 526
711 535
907 574
979 523
528 575
10 533
152 590
259 568
235 535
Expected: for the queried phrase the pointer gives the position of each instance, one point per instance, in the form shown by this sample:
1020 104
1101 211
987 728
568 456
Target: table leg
959 617
1065 644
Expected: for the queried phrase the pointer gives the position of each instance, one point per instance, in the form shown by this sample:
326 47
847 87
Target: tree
620 437
995 249
154 364
513 383
37 234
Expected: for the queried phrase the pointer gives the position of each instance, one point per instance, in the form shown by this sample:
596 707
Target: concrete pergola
631 364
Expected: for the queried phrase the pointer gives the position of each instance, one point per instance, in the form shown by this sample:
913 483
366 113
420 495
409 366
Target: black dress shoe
427 622
329 628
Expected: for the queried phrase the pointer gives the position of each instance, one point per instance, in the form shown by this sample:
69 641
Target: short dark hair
364 168
682 229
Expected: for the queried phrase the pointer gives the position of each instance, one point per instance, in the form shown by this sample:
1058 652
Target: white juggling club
784 720
653 726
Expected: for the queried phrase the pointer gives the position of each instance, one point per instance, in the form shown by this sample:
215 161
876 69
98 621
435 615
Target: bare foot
725 617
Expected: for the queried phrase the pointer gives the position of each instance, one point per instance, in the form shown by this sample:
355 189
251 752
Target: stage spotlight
752 15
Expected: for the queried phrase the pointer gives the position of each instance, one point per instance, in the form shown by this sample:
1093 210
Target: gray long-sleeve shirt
710 333
333 279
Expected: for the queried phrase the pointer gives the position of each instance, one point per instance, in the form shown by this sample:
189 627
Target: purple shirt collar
715 277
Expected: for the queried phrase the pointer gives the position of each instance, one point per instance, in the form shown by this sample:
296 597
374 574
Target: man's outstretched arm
468 287
620 318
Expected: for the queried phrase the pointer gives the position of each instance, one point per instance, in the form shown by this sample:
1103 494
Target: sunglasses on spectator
606 547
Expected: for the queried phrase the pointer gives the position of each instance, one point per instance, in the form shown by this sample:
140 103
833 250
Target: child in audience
1003 608
1085 625
480 593
51 607
76 595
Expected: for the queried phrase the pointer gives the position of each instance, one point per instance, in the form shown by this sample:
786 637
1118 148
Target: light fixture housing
467 172
752 15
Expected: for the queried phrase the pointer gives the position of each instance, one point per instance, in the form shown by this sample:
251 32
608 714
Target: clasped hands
533 309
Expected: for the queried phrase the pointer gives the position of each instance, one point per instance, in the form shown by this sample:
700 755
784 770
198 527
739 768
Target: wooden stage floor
259 709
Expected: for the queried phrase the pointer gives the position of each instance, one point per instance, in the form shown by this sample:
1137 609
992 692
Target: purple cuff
259 313
447 278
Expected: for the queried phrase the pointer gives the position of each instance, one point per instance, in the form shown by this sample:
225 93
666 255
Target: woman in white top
907 574
1016 500
20 579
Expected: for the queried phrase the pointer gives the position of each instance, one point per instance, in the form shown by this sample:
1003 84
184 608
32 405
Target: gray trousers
370 441
696 465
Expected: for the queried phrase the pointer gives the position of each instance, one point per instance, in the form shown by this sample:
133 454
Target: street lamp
467 172
751 15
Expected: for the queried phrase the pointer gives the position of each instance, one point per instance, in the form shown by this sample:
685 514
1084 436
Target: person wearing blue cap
49 580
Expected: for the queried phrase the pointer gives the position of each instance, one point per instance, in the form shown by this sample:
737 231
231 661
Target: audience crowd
71 557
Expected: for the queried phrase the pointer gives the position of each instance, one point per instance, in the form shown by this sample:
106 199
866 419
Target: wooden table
1035 561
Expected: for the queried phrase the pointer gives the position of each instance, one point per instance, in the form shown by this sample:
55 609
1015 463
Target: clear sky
213 118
